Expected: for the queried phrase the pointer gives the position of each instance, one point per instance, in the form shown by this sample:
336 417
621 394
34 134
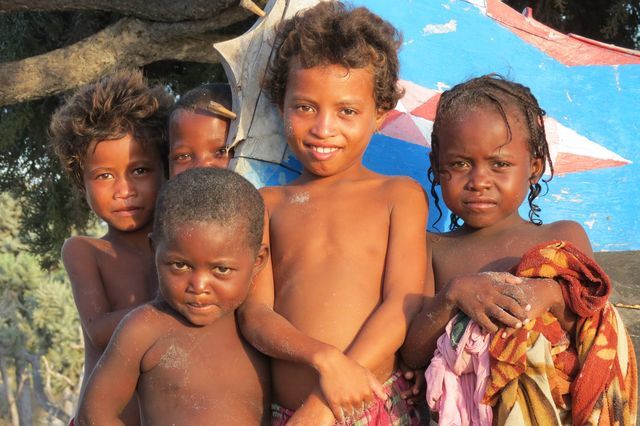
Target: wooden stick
625 306
252 7
216 108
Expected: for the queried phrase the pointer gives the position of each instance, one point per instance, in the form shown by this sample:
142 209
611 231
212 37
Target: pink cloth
457 378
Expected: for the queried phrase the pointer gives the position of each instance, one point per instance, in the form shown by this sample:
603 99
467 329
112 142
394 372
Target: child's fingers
338 412
486 324
512 279
418 385
511 307
515 292
377 388
508 332
500 315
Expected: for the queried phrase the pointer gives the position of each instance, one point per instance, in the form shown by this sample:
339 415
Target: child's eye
349 111
179 266
222 270
181 157
104 176
222 153
458 164
501 164
304 108
138 171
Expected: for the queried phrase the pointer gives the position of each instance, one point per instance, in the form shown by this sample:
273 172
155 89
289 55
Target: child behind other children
489 153
110 137
183 352
349 260
198 134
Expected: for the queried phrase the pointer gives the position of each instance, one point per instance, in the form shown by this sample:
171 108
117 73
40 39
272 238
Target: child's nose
478 179
124 188
200 282
209 160
324 125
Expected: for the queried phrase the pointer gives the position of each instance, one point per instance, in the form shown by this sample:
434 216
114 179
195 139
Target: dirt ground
623 269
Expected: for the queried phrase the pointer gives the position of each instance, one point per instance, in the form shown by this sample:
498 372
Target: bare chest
334 226
191 370
457 257
129 280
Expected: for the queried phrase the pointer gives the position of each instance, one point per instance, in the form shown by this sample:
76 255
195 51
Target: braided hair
498 92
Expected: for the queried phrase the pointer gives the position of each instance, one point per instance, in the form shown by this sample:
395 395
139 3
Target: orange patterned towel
539 376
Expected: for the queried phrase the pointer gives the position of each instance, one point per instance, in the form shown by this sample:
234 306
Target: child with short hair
489 153
182 351
348 254
197 131
110 138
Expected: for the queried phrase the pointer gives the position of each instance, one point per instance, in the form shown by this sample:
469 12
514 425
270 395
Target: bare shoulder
436 239
440 242
272 195
142 323
79 245
80 254
571 231
403 188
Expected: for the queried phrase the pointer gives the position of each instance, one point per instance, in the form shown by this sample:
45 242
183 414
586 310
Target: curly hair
330 33
111 108
503 95
207 195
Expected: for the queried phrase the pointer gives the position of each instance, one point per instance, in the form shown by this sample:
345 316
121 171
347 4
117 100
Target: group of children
208 302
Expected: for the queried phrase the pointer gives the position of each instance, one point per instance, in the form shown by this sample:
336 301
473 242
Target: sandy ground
624 270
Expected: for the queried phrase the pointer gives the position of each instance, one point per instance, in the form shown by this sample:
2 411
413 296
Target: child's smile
330 115
484 176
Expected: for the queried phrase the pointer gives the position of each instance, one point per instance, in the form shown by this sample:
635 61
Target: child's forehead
334 80
326 67
234 230
126 142
192 116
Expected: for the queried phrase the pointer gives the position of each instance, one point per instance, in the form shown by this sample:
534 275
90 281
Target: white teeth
324 149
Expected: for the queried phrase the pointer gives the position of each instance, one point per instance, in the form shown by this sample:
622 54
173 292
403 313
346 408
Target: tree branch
40 393
159 10
127 43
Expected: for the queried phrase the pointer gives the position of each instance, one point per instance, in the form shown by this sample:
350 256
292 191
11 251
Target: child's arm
477 296
546 294
313 412
114 379
404 280
97 319
275 336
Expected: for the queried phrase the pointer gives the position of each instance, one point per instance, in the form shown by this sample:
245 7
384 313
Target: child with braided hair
519 277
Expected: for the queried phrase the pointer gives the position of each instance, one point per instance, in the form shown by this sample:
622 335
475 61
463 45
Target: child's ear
261 259
536 170
381 115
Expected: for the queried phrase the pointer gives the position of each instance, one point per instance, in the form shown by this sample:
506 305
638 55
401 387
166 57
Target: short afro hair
109 109
331 33
210 195
199 97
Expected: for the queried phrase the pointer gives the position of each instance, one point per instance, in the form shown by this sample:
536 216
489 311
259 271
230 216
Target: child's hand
416 392
346 385
545 295
491 299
